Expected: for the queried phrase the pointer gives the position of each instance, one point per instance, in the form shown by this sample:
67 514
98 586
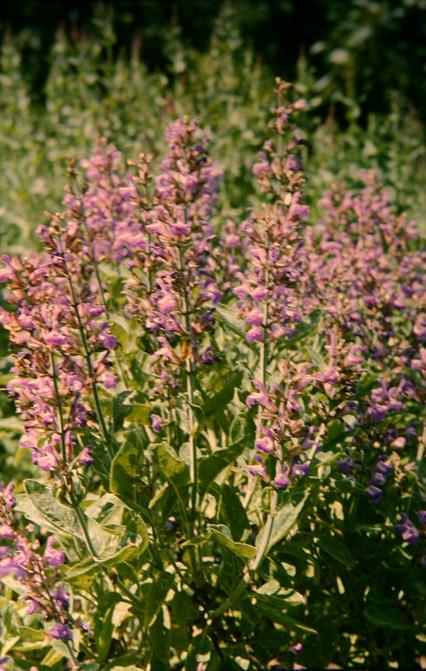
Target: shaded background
358 48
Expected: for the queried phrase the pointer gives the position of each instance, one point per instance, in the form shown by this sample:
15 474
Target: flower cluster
410 533
173 288
271 280
62 342
22 556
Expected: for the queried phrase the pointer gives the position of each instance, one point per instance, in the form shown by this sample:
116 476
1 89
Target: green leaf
383 616
174 470
11 424
233 512
51 658
42 508
107 542
126 476
283 522
103 627
274 588
274 608
335 433
154 594
160 641
227 317
224 396
184 609
120 410
30 634
222 535
140 413
210 467
242 430
336 549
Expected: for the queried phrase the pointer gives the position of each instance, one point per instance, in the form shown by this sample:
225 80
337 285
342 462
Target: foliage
92 89
223 406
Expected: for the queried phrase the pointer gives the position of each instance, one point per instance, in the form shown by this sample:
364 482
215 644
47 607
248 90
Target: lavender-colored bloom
33 606
281 480
85 457
157 423
296 648
299 470
61 595
378 479
6 531
409 533
10 565
208 357
61 631
255 334
384 466
9 496
265 444
346 466
375 493
54 558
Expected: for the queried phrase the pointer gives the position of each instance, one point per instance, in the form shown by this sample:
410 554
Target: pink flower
54 558
255 334
61 631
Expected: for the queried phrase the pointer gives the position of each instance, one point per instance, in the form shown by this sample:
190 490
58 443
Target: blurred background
72 71
361 48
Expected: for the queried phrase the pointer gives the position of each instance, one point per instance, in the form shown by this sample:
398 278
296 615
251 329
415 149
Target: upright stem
102 295
265 316
263 371
88 359
193 466
263 362
59 404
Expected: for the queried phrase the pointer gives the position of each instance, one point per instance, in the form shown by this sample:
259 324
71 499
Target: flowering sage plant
224 419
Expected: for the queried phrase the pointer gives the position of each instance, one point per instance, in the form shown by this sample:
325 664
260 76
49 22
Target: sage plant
224 418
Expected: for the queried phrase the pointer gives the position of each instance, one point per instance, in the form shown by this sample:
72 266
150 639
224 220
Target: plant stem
193 466
59 404
96 399
82 520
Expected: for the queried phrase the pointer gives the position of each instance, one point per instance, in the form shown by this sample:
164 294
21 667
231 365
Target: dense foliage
90 92
223 402
361 50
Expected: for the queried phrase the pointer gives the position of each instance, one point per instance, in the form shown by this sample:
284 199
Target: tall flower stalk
177 304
